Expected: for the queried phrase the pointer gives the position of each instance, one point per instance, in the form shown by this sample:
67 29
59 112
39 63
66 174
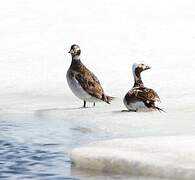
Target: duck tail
107 98
159 109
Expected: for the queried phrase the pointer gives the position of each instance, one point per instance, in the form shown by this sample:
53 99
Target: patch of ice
165 157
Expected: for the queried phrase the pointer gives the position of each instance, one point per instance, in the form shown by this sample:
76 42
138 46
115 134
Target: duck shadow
42 111
122 111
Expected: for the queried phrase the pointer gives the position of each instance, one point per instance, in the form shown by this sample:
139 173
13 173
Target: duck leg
94 104
84 105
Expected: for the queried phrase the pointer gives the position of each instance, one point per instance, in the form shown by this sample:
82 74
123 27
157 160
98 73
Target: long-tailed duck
83 83
140 97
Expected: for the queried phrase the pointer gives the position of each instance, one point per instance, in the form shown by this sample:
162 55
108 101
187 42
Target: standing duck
83 83
140 97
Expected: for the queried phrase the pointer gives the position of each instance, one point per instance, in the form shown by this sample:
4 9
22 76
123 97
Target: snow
166 157
36 36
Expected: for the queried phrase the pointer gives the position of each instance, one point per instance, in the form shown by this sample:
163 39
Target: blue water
33 146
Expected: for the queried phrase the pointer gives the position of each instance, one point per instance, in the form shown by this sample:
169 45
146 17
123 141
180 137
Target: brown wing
146 94
89 82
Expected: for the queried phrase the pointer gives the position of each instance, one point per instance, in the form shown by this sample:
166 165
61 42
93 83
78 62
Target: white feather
136 106
78 90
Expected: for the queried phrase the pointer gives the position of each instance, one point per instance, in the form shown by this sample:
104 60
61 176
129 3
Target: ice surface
164 157
36 36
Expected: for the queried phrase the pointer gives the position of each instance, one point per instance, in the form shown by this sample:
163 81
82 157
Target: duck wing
89 82
146 94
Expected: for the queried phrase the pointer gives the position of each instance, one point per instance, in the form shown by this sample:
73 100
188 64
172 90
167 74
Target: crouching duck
140 98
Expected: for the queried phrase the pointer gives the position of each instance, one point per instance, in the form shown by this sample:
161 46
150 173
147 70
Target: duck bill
71 51
147 67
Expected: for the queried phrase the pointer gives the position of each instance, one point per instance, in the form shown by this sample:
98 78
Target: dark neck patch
76 64
138 80
138 71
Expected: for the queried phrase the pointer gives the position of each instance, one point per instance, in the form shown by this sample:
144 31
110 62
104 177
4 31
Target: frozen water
166 157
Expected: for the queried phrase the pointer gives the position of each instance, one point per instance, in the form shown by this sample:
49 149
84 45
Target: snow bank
164 157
